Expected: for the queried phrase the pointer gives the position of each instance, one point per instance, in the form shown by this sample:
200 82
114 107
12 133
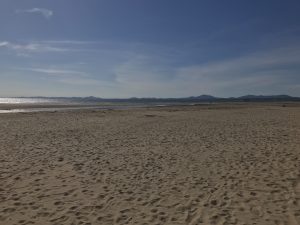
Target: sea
40 104
28 100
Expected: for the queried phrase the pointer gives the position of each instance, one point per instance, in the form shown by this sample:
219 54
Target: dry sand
223 164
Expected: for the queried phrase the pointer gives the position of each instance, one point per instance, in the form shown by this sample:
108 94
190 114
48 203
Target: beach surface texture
211 164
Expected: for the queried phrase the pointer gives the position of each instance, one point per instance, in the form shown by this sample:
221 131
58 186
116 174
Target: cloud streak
31 47
56 71
69 77
27 47
236 67
41 11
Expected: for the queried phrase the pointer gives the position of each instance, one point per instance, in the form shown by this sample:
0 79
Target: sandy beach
211 164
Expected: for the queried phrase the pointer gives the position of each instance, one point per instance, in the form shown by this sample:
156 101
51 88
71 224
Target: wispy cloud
81 81
143 69
69 42
139 71
266 72
58 46
259 61
4 44
44 12
31 47
65 76
56 71
261 72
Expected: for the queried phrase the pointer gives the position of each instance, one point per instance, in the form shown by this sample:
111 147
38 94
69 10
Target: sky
149 48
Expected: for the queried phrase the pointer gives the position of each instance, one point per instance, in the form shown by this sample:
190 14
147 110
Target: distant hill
268 98
204 97
265 97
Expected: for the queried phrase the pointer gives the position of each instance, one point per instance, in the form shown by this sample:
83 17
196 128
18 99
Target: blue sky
149 48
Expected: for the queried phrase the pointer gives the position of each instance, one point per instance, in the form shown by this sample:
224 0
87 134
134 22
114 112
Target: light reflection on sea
26 101
55 109
48 109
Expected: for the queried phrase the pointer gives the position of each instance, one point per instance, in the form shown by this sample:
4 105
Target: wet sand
218 164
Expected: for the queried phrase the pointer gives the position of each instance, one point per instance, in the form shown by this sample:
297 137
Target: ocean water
15 105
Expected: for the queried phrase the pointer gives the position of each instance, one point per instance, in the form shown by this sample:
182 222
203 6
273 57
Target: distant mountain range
248 98
200 98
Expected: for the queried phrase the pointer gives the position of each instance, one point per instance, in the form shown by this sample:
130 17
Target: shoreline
30 108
